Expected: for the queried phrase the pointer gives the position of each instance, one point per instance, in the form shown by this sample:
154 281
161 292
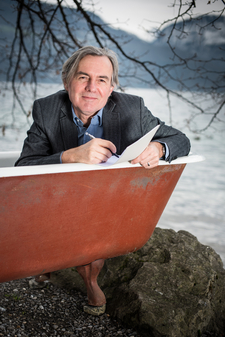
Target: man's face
90 88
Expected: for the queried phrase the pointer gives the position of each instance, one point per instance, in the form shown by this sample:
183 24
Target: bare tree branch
45 35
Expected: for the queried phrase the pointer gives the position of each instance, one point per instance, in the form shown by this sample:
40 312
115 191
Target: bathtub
59 216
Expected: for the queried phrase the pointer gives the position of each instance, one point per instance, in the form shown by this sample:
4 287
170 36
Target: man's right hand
93 152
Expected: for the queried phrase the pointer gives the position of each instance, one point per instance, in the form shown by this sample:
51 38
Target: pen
92 137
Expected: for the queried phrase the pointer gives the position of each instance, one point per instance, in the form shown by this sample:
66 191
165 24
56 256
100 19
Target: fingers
149 158
93 152
107 145
149 164
100 150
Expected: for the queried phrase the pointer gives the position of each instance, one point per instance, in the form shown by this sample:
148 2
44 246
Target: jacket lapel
111 124
68 127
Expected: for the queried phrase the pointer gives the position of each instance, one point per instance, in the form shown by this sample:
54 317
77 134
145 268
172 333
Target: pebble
52 312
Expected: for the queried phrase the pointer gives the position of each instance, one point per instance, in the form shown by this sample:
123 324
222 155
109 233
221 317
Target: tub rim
11 171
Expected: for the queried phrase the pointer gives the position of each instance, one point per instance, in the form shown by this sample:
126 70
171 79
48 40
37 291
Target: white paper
133 150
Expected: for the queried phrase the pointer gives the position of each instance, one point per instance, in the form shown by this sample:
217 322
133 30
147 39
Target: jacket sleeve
37 149
177 142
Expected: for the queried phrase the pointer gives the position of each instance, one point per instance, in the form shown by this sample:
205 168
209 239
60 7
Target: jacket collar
68 127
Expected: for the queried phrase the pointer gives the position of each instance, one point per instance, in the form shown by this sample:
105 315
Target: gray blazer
125 120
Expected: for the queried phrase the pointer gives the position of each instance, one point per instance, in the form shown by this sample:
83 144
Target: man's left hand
149 158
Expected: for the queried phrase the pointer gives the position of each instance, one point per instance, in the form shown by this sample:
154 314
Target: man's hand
93 152
149 158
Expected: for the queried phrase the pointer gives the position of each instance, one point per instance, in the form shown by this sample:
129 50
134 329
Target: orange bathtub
59 216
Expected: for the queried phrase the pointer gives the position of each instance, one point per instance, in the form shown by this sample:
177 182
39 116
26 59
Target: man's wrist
66 157
163 151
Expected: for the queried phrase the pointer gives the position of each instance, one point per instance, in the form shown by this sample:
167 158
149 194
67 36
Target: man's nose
91 85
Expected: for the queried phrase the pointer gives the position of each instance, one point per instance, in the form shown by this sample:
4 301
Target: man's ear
65 85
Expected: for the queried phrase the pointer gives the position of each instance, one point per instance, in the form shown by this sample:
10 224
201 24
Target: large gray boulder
174 286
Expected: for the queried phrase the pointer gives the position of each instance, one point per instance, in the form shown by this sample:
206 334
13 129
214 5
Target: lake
197 204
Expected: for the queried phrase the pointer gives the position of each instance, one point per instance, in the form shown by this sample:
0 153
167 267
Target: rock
174 286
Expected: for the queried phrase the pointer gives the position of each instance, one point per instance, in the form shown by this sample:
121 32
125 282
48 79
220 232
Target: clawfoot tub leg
39 280
96 297
42 277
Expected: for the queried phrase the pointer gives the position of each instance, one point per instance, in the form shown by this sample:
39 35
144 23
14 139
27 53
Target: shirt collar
96 120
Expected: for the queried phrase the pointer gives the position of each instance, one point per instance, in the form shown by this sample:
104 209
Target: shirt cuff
166 147
61 157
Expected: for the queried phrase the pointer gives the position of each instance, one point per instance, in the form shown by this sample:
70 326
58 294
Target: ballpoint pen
92 137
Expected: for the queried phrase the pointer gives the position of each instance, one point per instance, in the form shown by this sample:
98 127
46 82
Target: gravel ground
51 311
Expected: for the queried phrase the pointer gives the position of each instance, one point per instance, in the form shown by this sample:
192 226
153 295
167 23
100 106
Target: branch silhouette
46 35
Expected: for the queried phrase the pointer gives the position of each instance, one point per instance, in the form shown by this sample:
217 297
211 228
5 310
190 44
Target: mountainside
205 45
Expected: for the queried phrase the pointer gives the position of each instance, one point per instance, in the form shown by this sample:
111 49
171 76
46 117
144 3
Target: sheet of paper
133 150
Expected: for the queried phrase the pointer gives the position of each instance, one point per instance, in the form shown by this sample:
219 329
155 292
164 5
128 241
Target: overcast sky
133 15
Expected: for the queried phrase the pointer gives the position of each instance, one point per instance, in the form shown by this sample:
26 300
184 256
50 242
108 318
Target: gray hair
70 67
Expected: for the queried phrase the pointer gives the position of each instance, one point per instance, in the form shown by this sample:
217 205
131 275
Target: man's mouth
89 98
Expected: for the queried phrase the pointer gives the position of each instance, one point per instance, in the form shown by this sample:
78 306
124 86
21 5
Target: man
89 103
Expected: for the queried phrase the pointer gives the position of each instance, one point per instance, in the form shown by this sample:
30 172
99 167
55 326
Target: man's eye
83 78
